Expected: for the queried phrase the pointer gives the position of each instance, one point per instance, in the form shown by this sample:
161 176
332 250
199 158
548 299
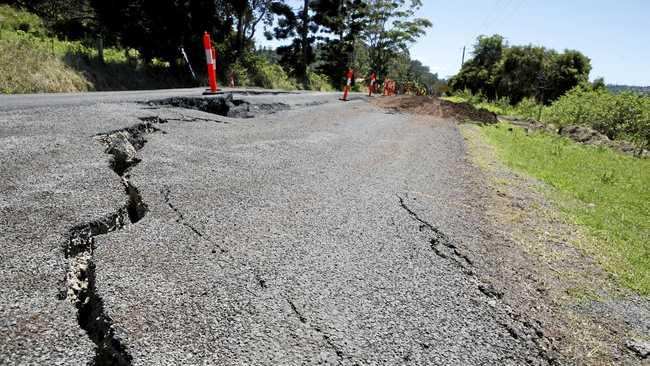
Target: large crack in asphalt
520 327
81 287
222 105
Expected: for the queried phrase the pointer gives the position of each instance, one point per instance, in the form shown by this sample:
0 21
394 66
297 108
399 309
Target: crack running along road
303 204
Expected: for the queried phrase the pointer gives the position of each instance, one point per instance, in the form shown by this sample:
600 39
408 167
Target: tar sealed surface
330 233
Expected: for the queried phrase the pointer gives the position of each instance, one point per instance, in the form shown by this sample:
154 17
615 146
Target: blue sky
614 34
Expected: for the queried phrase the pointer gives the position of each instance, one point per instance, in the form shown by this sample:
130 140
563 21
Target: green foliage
518 72
27 68
31 62
255 70
391 27
604 191
619 116
319 82
527 108
478 73
12 19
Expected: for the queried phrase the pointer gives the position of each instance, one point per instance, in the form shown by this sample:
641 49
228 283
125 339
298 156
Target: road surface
317 232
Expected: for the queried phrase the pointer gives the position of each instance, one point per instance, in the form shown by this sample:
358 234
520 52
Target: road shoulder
535 264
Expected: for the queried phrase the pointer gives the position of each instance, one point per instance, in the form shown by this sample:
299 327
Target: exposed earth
267 228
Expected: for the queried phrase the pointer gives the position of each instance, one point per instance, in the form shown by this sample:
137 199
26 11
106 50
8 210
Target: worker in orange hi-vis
386 82
348 85
373 80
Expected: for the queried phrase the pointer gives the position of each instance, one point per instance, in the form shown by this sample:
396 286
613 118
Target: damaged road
297 230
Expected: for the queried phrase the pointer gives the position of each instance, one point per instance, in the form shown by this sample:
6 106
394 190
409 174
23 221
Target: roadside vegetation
597 187
606 192
34 59
53 45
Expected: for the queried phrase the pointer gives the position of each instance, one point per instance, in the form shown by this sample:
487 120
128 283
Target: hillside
34 60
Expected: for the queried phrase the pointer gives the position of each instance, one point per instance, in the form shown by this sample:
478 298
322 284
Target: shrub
527 108
12 19
319 82
619 116
255 70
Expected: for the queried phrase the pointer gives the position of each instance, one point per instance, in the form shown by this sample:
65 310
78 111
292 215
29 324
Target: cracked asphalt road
329 233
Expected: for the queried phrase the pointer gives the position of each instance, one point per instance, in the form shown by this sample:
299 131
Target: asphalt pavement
316 232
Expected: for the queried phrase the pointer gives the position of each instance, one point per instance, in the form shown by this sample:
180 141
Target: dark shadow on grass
129 75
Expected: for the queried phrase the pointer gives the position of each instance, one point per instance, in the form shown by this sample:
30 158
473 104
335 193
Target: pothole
223 105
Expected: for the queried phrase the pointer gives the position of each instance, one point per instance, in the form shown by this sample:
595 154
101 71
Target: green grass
606 192
33 60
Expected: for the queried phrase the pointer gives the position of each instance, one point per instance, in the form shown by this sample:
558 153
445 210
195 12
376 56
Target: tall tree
391 28
516 72
341 23
157 28
248 15
478 73
299 25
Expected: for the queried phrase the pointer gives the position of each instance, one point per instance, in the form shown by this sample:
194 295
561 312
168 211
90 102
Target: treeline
501 71
323 37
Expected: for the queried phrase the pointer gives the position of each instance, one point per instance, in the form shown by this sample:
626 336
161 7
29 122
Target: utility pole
462 60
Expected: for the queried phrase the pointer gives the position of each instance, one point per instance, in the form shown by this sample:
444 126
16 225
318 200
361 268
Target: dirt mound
436 107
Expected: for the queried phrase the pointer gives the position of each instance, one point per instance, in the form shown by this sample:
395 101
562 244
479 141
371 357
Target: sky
615 35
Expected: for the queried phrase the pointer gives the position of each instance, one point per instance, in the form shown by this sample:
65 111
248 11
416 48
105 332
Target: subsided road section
325 233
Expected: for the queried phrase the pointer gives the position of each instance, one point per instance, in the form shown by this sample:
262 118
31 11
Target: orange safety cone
373 79
210 63
346 89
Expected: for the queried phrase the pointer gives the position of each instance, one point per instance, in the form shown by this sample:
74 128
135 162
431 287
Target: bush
619 116
255 70
12 19
527 108
319 82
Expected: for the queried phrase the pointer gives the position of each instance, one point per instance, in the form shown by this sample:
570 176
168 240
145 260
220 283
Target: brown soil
436 107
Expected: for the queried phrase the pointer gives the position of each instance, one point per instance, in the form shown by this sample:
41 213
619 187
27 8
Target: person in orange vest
373 80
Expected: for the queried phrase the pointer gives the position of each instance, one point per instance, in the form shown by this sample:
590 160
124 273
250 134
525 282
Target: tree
248 15
297 56
521 73
341 21
390 29
156 28
478 73
498 70
566 71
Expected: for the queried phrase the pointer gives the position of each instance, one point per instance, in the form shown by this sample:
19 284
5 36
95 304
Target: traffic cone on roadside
210 56
348 85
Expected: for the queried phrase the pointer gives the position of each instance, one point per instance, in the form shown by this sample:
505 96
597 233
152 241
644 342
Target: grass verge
604 191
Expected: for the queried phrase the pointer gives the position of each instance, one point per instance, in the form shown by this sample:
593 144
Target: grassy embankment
605 192
33 60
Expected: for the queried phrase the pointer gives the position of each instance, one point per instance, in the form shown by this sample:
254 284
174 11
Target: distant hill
622 88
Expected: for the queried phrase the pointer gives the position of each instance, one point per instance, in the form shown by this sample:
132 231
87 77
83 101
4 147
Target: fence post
100 48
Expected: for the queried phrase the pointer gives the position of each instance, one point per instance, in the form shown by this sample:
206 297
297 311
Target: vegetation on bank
606 192
149 43
621 116
33 59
